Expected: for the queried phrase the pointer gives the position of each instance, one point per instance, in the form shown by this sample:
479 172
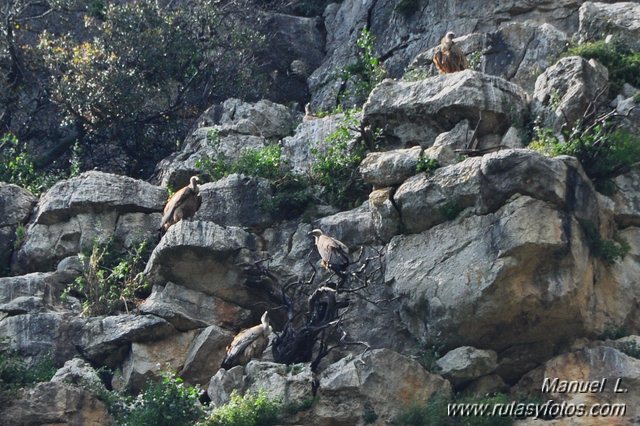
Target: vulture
450 58
248 344
182 205
308 113
334 254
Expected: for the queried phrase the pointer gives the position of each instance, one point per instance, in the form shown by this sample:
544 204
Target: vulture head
193 184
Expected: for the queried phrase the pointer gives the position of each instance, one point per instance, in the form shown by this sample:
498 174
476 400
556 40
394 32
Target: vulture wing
334 252
458 59
174 203
438 61
240 343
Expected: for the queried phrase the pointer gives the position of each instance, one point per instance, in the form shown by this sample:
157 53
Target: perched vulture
334 254
182 205
248 344
308 113
450 58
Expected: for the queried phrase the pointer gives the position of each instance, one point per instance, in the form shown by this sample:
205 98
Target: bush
426 164
603 150
609 251
250 410
623 63
336 165
365 73
17 167
15 373
107 283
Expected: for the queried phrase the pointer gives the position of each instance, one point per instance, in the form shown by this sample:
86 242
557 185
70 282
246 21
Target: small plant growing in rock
21 234
249 410
450 210
610 251
427 165
16 373
365 73
107 284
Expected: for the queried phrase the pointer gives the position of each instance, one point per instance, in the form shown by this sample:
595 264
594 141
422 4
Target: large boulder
466 363
604 368
382 169
620 19
564 91
187 309
380 380
483 184
205 354
55 403
205 257
352 227
16 205
94 206
415 112
236 200
496 280
147 360
78 372
627 199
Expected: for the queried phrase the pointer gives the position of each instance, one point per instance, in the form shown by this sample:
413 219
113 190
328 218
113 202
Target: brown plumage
449 58
248 344
334 254
182 205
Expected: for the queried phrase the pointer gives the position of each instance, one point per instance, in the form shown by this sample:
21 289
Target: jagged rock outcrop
383 169
16 205
205 257
621 20
205 354
627 199
78 372
565 90
416 112
94 206
52 403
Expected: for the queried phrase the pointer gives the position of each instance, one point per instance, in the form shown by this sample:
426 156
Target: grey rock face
56 403
485 183
563 92
204 257
223 383
187 309
495 280
352 227
621 20
416 112
205 354
236 200
91 207
77 371
627 199
466 363
16 205
386 218
382 169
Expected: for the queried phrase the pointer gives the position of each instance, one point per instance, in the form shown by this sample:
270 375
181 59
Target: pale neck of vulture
193 184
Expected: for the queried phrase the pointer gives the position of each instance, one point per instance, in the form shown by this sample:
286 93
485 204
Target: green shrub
450 210
365 73
15 373
429 355
604 151
335 166
249 410
21 234
426 164
609 251
291 197
295 407
107 283
168 403
622 62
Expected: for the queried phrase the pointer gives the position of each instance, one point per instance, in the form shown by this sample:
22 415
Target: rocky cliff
486 275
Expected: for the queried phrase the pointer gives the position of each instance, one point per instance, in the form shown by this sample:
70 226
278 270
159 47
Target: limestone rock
381 380
388 168
457 138
352 227
627 199
42 285
15 207
485 183
78 372
495 280
146 360
466 363
309 135
290 383
486 385
418 111
204 257
235 200
187 309
205 354
56 403
386 218
75 213
107 339
563 92
35 334
225 382
621 19
589 364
